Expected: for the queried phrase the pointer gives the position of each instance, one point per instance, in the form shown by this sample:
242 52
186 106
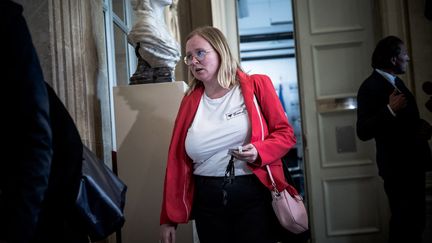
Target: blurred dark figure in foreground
40 178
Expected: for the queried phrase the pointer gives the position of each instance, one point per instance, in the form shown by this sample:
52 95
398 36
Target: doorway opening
267 46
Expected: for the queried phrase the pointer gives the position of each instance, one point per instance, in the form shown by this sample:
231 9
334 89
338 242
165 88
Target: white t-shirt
219 124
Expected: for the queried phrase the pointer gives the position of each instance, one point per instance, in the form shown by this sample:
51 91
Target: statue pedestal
144 120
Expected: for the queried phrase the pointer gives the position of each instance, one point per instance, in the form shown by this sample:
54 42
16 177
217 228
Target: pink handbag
289 210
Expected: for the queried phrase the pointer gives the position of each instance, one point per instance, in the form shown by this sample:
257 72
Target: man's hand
397 101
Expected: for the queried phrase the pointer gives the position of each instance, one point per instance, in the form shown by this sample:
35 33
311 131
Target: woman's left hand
248 153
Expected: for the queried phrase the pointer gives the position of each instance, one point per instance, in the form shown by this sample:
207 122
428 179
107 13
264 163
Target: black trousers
406 196
247 215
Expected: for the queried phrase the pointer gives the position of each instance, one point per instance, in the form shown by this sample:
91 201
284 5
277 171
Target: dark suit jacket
26 133
400 151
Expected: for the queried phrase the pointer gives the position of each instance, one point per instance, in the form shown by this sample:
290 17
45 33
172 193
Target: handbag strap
262 138
272 180
257 106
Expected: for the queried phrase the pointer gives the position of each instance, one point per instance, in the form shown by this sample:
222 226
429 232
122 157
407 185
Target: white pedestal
144 117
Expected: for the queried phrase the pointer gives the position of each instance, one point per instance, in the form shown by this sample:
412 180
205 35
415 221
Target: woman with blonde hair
229 127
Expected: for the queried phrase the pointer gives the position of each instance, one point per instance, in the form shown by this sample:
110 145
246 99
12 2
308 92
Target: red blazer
278 134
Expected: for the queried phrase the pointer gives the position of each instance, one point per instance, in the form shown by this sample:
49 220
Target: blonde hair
228 66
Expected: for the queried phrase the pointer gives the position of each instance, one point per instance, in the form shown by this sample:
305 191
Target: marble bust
157 51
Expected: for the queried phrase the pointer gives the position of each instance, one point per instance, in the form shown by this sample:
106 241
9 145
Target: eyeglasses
199 55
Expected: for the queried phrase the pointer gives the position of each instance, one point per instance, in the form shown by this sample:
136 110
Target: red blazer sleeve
280 137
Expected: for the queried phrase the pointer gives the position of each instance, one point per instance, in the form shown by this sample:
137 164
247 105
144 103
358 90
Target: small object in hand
239 150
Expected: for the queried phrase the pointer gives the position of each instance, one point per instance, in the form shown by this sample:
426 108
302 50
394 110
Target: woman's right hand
167 233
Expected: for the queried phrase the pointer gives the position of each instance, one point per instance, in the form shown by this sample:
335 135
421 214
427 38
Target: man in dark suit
387 112
42 153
